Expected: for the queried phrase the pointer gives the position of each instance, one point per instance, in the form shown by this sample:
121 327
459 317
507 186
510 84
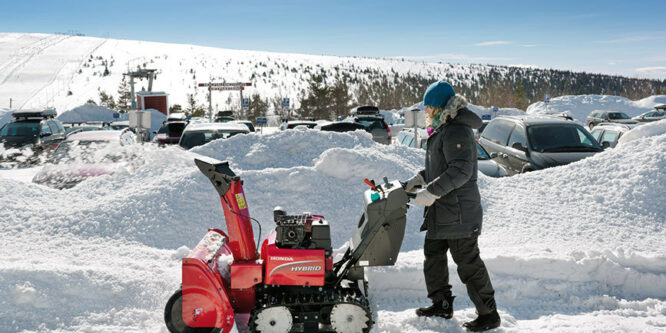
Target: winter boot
442 308
484 322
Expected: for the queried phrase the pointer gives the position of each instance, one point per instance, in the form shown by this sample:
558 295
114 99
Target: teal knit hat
438 94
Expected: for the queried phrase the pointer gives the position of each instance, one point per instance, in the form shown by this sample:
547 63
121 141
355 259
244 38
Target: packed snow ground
574 248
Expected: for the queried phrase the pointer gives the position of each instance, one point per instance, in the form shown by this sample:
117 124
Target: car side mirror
493 155
605 145
518 146
154 132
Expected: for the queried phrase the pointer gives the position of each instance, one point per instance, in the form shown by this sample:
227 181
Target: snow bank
581 242
478 109
647 130
93 112
580 106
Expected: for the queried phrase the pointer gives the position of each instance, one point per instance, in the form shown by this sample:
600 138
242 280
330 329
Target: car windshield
193 139
87 152
23 129
481 153
561 138
617 115
308 125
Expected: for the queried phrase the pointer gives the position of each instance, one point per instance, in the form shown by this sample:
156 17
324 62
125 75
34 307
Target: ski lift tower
141 73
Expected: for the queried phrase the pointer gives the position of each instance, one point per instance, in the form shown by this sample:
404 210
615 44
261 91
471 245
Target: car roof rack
365 110
49 113
660 106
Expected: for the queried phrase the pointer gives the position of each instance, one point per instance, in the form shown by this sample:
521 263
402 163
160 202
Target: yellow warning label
240 200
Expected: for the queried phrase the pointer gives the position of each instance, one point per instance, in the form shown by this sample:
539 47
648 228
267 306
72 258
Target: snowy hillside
40 69
574 248
580 106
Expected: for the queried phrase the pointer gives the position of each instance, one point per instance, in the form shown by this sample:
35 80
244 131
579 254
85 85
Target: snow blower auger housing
293 285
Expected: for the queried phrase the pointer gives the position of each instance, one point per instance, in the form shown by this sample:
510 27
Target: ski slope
578 248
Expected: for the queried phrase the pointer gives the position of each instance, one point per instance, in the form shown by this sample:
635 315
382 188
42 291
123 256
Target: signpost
224 86
495 110
261 122
246 103
285 105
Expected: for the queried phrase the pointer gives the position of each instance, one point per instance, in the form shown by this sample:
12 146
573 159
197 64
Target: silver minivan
528 143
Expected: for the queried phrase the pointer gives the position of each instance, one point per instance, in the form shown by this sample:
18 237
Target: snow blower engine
292 285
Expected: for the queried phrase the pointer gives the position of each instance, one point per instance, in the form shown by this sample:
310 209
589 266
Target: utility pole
10 103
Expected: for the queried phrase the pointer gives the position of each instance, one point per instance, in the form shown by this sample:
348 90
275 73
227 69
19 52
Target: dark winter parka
451 173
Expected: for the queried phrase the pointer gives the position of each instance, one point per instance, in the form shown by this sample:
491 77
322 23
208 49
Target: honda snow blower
293 285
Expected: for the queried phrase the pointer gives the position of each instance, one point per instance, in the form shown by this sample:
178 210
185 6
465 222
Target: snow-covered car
29 135
608 134
486 165
203 133
88 154
527 143
658 114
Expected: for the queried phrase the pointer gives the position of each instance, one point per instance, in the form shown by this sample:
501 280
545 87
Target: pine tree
124 103
340 98
317 104
106 100
257 108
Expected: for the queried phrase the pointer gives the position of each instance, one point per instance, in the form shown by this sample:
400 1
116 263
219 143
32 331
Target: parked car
486 165
373 121
528 143
119 125
37 131
607 134
202 133
224 116
340 126
397 125
88 154
171 130
290 124
658 114
597 117
247 123
86 126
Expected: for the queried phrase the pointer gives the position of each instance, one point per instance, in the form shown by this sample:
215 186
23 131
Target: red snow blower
293 285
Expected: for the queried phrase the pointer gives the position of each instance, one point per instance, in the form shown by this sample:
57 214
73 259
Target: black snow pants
471 270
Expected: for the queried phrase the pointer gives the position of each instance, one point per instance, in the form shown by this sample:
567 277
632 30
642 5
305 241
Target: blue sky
612 37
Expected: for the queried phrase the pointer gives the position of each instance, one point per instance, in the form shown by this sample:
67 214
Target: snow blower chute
293 285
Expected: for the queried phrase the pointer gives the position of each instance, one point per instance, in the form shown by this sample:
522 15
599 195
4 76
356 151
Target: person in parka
453 213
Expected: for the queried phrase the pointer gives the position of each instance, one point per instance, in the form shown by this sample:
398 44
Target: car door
516 149
494 140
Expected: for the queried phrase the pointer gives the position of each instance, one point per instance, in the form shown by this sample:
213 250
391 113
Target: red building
157 100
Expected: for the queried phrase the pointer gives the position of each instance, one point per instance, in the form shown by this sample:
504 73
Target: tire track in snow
32 51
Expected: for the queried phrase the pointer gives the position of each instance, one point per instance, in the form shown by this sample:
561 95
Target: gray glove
413 182
425 198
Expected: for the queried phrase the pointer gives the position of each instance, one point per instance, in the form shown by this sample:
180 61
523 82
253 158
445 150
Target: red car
87 154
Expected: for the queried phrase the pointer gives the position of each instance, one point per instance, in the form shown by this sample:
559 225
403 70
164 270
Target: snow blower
293 284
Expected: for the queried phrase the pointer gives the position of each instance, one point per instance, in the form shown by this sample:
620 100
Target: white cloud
659 69
493 43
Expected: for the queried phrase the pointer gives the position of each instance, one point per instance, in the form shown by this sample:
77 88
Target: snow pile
583 243
646 130
478 109
580 106
93 112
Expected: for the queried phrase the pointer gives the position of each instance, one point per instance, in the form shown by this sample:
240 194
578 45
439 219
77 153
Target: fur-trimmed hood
456 111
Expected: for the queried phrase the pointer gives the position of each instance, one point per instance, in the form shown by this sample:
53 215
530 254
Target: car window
481 153
54 128
596 133
409 141
46 129
193 139
518 135
498 131
371 124
617 115
404 139
28 129
609 136
60 127
561 138
424 143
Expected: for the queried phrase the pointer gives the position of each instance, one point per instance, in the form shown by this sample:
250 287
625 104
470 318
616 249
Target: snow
580 106
645 130
574 248
92 112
